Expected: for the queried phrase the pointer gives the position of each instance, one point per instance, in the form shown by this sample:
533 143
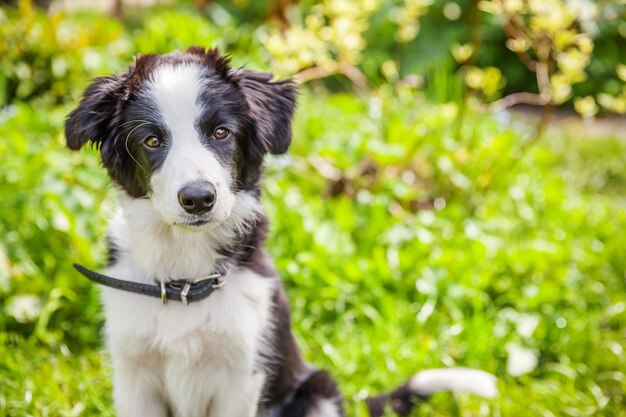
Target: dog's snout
197 197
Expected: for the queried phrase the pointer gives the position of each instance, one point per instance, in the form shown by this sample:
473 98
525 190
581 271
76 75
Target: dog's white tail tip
474 381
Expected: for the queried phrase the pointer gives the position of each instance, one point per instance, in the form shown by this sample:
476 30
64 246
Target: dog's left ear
271 107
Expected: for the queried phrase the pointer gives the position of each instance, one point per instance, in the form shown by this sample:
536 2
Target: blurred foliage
553 40
330 41
43 56
41 197
411 230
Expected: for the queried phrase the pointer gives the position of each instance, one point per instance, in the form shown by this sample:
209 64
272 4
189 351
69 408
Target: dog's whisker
126 144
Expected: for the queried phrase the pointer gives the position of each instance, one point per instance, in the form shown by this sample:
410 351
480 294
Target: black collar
183 290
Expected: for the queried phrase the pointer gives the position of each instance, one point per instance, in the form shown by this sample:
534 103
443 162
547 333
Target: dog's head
185 131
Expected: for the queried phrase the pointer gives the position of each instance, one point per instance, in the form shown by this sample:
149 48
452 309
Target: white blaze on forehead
175 90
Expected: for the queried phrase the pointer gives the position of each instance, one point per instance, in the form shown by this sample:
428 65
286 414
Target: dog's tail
421 386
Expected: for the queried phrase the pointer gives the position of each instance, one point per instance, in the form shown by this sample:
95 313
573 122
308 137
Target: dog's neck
164 252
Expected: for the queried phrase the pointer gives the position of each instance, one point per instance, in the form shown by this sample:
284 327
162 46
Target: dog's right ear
272 105
92 120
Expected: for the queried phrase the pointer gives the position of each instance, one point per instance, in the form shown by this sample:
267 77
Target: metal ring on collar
163 293
184 292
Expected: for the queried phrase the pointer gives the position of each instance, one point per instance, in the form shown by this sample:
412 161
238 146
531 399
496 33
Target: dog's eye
221 133
152 142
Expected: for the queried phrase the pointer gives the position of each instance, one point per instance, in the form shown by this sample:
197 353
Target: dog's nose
198 197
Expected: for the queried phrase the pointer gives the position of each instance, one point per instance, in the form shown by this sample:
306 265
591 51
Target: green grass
379 294
437 232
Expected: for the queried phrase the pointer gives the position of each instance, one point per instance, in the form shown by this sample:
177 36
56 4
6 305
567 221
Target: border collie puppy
183 137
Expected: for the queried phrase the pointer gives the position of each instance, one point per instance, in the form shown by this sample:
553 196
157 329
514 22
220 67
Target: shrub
45 56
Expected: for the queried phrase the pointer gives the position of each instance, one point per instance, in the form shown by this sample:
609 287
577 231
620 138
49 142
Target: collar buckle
219 280
185 286
163 293
184 292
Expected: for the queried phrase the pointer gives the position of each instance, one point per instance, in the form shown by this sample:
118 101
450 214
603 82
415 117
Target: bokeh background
455 193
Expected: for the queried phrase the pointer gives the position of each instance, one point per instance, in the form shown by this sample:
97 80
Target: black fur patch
286 368
318 387
401 401
249 252
113 252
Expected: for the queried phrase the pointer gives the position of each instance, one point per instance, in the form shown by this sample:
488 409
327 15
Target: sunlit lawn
378 295
410 234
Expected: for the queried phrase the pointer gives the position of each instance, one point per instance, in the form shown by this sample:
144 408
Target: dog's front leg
136 392
239 397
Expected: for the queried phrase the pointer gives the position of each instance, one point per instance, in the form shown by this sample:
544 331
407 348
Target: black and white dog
183 136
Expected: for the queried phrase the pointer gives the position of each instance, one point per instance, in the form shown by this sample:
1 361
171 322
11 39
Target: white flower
525 324
24 308
521 360
472 231
5 269
585 10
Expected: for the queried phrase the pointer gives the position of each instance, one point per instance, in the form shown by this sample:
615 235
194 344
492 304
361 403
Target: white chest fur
198 359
